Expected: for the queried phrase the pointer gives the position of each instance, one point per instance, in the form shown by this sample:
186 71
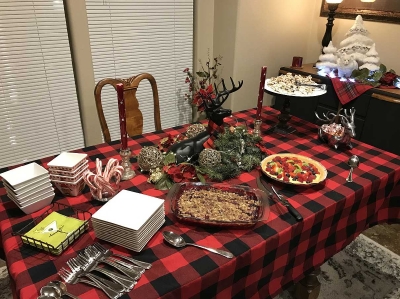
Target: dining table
268 258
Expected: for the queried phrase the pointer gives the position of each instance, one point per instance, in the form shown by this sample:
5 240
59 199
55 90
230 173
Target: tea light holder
257 127
127 173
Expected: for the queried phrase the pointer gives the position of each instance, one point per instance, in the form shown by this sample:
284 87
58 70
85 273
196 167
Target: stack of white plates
29 187
66 172
129 219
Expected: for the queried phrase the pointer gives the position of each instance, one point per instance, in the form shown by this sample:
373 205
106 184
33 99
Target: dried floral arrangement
202 83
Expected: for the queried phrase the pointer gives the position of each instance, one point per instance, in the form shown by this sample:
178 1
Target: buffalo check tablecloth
268 257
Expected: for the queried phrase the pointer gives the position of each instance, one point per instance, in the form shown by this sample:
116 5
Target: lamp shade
334 1
367 0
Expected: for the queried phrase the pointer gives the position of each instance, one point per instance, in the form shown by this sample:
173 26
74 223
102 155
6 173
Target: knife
282 200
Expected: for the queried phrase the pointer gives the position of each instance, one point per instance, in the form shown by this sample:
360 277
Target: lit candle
122 116
261 92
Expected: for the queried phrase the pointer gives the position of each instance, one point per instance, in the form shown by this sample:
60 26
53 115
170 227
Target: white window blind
39 114
143 36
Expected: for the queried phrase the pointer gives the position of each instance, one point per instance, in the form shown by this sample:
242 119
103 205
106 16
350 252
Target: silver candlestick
257 127
127 173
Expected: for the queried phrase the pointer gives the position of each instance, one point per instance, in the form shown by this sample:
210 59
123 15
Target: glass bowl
105 195
218 204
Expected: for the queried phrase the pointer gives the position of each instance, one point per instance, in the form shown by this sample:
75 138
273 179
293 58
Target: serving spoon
61 288
353 162
50 292
177 241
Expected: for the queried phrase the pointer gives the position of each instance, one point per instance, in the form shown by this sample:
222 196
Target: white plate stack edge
129 219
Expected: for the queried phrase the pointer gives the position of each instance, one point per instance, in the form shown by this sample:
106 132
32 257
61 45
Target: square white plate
24 175
67 160
158 214
129 245
129 209
128 234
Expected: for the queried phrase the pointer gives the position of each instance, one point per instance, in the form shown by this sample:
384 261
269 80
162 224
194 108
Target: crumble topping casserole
217 205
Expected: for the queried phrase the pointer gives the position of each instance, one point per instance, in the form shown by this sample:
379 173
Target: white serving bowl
40 203
67 161
25 175
33 199
71 179
27 198
82 166
70 189
30 190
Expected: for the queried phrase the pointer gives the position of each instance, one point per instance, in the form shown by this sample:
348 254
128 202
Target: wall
203 30
83 69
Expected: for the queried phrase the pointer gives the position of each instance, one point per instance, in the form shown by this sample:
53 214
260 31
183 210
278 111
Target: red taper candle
122 116
261 92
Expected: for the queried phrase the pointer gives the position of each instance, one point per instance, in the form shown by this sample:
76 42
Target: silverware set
122 273
271 191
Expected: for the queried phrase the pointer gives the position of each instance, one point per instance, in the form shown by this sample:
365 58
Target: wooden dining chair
134 117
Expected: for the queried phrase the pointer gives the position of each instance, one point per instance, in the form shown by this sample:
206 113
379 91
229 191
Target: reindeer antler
224 94
326 116
350 116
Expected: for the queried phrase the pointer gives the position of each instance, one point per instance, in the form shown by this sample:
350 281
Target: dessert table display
267 257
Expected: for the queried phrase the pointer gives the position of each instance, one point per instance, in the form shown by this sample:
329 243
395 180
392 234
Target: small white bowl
67 161
29 190
29 197
33 199
24 175
70 189
82 166
39 204
71 179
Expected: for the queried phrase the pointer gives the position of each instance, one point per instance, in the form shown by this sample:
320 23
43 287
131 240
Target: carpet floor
363 270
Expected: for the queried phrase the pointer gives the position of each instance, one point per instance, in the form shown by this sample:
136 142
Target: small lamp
332 6
367 0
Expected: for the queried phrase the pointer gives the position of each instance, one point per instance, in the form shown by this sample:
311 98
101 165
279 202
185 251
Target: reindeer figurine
189 149
346 120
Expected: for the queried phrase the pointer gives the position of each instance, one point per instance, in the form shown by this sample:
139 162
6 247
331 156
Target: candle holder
257 127
127 173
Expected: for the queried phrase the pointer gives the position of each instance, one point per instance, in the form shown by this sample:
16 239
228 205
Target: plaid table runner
269 257
348 91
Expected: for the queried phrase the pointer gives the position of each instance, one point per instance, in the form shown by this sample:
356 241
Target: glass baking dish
220 205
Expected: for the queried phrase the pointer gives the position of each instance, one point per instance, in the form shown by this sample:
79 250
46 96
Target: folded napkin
54 230
348 91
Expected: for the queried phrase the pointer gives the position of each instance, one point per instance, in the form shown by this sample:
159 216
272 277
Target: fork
72 277
97 256
108 253
82 266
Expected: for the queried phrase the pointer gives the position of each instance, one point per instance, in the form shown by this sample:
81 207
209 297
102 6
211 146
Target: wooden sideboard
377 110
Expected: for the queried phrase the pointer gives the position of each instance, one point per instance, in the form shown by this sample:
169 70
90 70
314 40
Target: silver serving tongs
321 86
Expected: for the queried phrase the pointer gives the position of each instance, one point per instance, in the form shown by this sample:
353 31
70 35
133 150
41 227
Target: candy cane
98 166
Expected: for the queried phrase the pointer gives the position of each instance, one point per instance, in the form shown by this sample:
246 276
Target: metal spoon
353 162
50 291
62 288
177 241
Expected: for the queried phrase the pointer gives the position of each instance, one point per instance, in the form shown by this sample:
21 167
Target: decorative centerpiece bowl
335 133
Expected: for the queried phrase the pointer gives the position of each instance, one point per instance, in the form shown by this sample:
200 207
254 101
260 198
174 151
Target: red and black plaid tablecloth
269 257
